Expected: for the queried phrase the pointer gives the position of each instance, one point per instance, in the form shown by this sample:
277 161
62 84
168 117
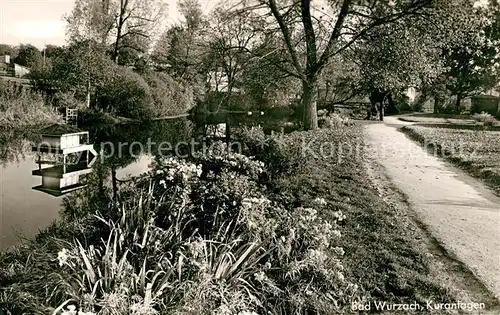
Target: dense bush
281 158
126 94
114 89
403 104
170 97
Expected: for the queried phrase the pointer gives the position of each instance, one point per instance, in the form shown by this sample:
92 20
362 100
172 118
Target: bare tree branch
385 20
287 38
335 33
310 36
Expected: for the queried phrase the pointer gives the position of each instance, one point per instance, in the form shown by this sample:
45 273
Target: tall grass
25 110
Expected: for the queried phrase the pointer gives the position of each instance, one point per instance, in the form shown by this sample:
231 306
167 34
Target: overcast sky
39 22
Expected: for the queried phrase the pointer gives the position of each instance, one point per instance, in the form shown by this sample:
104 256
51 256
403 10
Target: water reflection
69 156
64 161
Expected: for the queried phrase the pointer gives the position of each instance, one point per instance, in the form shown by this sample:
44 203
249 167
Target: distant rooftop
59 130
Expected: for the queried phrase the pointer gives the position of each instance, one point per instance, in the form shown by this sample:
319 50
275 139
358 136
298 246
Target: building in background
10 69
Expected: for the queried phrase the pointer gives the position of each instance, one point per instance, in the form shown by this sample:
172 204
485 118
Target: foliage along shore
27 110
280 233
30 111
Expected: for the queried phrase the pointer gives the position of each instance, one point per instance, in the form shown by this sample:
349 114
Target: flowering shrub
281 157
333 120
486 118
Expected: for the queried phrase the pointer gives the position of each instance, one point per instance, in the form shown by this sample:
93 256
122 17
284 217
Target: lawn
471 148
438 119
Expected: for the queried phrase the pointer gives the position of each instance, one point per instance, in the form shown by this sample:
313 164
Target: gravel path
458 210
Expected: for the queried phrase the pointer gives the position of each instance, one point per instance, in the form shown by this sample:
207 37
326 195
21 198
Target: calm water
24 210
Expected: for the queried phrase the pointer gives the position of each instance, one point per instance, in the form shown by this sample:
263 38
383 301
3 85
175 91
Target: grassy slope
475 151
381 253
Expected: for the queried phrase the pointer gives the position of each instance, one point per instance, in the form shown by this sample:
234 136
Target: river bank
172 243
26 111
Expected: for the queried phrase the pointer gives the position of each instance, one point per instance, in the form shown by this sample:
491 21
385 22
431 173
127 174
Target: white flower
62 256
260 276
320 201
339 251
224 309
339 215
340 276
249 113
71 310
162 182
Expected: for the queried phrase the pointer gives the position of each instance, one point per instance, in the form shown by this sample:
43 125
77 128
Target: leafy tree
135 18
396 56
313 36
181 49
8 50
79 69
175 53
53 51
473 64
232 36
340 81
91 20
134 48
126 94
263 81
115 22
468 61
28 56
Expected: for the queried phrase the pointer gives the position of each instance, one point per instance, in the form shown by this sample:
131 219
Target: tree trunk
457 105
309 97
119 29
116 49
391 108
114 183
381 112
